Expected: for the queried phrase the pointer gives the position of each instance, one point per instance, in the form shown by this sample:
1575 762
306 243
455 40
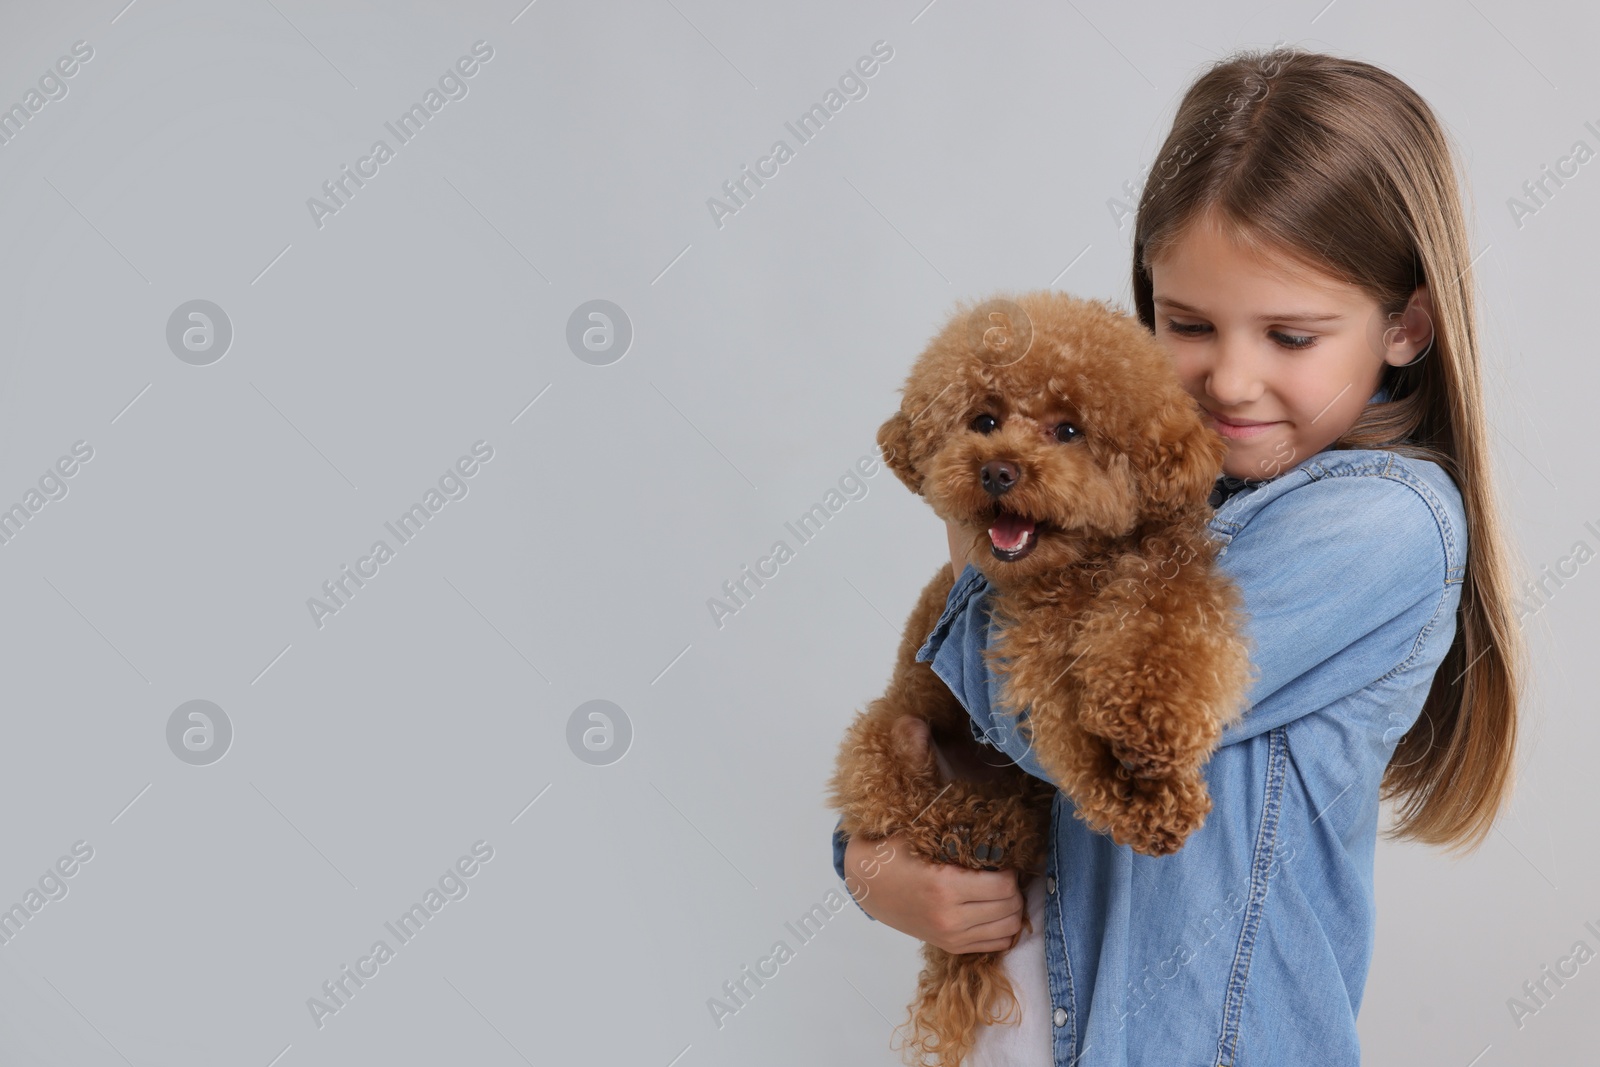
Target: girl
1301 251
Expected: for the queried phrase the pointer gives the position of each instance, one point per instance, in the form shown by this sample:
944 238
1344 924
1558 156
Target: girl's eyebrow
1284 316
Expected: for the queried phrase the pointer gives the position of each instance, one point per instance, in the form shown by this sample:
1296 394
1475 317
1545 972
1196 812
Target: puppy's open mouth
1012 536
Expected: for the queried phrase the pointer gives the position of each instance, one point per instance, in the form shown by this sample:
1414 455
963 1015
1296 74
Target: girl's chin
1265 457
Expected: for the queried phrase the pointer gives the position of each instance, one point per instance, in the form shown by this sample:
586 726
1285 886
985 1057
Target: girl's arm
1343 579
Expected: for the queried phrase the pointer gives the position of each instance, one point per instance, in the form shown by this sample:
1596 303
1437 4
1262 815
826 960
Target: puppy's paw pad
983 854
989 855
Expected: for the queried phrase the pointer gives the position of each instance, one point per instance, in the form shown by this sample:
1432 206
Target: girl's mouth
1235 432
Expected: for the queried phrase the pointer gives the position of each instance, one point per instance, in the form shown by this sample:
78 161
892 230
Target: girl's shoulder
1401 515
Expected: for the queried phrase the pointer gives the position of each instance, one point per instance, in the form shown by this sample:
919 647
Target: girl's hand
949 906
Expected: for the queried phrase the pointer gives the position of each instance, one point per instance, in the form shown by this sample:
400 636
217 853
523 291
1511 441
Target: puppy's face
1045 425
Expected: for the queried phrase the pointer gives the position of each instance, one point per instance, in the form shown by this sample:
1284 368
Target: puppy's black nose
997 476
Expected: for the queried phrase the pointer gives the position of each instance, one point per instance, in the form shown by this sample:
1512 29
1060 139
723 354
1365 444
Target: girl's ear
894 437
1182 464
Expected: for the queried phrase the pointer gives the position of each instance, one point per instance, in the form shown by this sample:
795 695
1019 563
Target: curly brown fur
1114 631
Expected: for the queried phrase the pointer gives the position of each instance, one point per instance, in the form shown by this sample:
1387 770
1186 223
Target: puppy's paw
1145 763
1153 816
972 848
982 833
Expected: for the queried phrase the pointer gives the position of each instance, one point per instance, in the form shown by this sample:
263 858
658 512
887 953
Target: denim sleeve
1341 580
840 841
954 651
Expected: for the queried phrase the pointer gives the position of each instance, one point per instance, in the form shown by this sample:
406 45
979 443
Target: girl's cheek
1190 375
1191 384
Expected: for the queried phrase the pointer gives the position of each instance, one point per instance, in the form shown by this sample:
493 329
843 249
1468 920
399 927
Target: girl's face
1280 358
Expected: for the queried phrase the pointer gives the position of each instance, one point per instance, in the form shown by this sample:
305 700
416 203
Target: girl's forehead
1206 256
1215 282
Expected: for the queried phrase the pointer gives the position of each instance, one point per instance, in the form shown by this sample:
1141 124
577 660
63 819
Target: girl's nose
1233 379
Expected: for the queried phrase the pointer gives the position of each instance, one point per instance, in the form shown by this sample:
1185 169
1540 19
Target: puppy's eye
985 423
1066 432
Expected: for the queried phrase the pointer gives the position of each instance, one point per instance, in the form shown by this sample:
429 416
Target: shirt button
1060 1017
1050 884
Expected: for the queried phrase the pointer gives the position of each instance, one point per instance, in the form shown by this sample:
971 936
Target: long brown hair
1343 167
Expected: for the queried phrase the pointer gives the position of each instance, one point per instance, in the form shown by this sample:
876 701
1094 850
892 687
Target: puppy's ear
1182 464
894 437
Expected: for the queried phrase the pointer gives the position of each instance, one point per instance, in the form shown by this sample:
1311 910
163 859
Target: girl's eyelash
1294 342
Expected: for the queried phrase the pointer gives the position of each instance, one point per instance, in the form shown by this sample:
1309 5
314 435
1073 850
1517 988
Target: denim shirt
1250 945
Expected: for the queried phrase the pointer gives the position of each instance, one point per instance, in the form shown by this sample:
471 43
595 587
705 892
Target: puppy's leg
885 774
1153 816
1124 712
1161 673
909 764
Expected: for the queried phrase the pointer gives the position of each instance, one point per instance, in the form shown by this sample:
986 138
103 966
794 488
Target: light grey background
430 312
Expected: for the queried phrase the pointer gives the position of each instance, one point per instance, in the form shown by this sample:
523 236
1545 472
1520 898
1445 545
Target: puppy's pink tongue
1009 531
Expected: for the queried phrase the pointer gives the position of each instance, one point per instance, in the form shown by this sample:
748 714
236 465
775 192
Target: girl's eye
985 423
1066 432
1294 342
1289 340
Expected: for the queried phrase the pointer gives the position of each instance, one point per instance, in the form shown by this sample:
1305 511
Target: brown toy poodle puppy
1055 430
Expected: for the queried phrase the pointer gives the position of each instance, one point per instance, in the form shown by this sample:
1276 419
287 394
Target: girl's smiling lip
1236 428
